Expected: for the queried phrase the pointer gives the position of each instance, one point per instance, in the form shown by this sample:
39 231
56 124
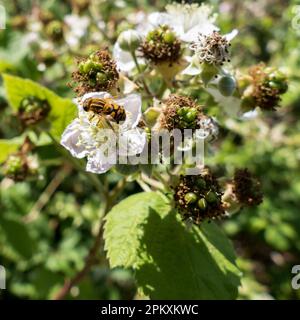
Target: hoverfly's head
86 104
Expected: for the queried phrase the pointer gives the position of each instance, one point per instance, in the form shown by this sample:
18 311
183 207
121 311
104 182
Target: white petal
99 95
191 70
70 140
231 35
160 18
192 34
96 163
231 105
123 58
133 105
132 142
250 115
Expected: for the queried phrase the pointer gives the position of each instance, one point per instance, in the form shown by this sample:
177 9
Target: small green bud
101 77
211 197
227 85
190 197
200 183
202 204
87 66
208 72
281 86
191 115
181 112
129 40
169 37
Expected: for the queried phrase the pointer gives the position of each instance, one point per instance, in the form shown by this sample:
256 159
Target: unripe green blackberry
33 110
266 86
98 72
199 197
161 45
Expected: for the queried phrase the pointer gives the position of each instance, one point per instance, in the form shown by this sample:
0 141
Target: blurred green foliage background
47 225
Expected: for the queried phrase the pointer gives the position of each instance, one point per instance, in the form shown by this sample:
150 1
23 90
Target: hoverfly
104 111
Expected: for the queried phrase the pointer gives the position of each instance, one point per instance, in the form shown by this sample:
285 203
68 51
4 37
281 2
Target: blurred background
47 224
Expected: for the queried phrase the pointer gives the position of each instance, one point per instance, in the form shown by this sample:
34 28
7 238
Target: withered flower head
161 45
33 110
212 49
20 165
199 197
181 112
98 72
247 188
268 85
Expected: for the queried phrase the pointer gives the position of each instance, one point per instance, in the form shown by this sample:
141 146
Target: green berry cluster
199 197
267 87
161 45
181 112
96 73
33 110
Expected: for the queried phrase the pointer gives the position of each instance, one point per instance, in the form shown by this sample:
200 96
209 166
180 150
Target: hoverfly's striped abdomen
105 107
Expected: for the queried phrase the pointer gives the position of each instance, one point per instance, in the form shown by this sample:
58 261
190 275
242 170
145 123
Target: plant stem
134 57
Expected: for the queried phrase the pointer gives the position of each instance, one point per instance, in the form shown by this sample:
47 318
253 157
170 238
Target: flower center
96 73
161 45
212 49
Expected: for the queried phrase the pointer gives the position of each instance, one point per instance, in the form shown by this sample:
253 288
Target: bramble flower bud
129 40
161 45
33 110
98 72
227 85
54 30
199 197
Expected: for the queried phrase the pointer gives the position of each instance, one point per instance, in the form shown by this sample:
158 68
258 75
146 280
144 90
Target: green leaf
18 236
63 111
170 261
7 147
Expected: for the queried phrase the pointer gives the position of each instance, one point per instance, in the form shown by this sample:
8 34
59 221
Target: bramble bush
93 206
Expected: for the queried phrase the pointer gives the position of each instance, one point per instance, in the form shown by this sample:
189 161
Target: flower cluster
265 87
182 46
